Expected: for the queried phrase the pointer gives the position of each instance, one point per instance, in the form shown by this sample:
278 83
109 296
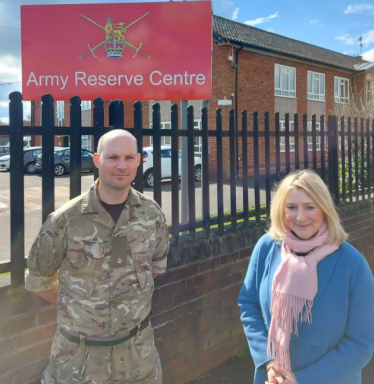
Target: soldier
96 256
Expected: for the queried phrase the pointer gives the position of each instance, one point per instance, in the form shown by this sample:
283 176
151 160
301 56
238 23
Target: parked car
62 161
29 159
5 162
165 165
4 150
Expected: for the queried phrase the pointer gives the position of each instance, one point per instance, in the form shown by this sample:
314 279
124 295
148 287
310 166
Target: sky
337 25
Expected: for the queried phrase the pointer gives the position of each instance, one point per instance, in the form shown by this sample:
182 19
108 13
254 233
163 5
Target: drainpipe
236 106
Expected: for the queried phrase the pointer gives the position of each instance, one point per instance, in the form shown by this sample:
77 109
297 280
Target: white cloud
368 37
366 9
347 39
235 14
226 9
270 30
9 73
368 55
261 20
316 23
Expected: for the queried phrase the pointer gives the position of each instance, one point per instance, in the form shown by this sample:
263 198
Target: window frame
311 93
338 81
282 128
86 105
198 140
198 144
163 125
60 113
368 91
318 138
280 90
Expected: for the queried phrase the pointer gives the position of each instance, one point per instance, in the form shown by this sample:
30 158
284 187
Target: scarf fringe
280 353
288 310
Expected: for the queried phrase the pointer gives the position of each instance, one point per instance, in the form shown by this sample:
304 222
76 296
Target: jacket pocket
141 255
83 269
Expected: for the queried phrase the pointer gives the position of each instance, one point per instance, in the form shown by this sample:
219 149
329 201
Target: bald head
116 134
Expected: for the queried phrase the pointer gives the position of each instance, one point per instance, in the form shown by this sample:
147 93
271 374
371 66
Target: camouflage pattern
135 361
104 271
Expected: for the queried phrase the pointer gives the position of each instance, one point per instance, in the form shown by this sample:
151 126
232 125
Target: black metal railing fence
339 151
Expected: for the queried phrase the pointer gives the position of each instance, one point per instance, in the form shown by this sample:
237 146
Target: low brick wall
195 316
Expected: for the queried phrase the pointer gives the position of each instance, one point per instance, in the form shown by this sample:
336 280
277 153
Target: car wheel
198 173
30 168
149 179
59 170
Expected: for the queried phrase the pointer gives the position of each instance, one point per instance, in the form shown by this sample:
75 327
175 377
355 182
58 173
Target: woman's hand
277 375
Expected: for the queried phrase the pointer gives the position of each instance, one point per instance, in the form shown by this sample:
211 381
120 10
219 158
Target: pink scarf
295 285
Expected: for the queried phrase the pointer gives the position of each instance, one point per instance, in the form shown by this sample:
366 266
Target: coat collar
91 204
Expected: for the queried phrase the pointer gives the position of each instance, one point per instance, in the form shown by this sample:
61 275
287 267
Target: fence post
75 147
174 175
48 162
333 152
138 133
116 114
205 171
191 174
220 211
98 116
17 209
156 124
233 156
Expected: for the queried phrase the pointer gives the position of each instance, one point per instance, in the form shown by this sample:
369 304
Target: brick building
260 71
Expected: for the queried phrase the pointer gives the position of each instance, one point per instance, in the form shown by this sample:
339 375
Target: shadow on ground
239 370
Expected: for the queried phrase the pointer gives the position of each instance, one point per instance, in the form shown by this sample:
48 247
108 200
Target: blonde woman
307 302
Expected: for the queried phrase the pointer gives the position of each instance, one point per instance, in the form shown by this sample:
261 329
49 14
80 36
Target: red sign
132 51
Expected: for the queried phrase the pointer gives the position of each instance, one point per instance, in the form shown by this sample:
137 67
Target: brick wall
255 93
195 316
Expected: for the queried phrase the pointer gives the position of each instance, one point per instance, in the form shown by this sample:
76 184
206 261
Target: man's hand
50 295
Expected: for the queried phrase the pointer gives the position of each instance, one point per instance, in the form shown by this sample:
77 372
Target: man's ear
138 159
96 159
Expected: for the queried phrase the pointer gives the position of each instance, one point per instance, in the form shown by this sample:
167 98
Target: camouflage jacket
104 269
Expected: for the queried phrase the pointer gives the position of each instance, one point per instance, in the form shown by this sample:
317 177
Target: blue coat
340 341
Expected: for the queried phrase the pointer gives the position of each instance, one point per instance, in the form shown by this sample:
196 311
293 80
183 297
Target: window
282 124
341 87
318 138
285 81
368 91
316 86
36 152
165 140
198 140
86 153
60 114
85 105
86 142
166 153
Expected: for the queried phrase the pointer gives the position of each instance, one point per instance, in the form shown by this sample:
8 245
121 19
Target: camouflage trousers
135 361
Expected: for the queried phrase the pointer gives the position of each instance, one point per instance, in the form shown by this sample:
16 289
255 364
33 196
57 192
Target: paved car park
33 198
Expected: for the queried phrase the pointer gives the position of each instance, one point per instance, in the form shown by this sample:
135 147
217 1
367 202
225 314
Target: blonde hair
316 189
